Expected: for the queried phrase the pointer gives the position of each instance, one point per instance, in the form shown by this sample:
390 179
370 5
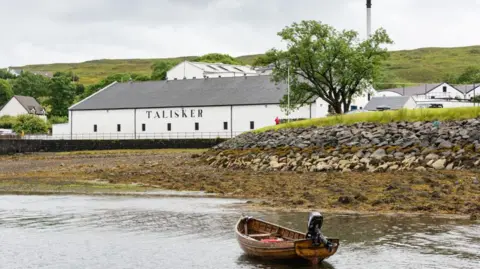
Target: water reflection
122 232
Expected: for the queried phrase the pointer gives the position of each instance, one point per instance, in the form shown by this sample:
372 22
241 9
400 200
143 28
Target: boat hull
295 246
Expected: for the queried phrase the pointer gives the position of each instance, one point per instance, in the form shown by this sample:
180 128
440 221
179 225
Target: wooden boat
266 240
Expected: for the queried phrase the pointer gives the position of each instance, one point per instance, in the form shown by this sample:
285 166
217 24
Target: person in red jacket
277 121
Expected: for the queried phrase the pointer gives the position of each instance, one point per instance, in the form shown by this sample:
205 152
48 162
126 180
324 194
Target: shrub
30 124
57 120
7 122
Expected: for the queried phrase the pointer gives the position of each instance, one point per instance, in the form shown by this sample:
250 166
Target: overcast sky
48 31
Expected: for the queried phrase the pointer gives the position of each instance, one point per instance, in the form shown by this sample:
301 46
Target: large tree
29 84
160 69
6 92
62 94
4 74
335 66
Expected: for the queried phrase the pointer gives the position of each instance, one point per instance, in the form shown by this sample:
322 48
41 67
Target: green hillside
415 66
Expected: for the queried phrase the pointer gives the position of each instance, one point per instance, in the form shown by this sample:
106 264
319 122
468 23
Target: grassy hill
414 66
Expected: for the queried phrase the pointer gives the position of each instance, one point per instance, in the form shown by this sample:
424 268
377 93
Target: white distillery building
199 70
192 108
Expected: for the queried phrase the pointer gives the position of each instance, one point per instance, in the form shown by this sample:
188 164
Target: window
94 128
444 88
144 127
352 108
119 128
252 125
369 97
213 68
197 126
225 125
223 68
169 127
432 97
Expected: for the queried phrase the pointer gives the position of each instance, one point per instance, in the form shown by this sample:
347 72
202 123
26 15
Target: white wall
386 94
61 129
473 93
263 116
321 108
184 69
446 104
210 120
410 104
13 108
106 120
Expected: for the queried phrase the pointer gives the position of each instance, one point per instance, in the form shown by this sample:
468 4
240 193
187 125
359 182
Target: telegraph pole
369 18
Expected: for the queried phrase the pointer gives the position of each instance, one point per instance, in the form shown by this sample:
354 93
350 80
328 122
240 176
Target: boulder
445 145
379 154
439 164
431 157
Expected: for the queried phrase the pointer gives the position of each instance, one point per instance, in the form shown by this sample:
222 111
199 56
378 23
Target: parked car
430 106
357 111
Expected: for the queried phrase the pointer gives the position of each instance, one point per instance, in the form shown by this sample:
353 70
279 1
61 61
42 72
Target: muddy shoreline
138 172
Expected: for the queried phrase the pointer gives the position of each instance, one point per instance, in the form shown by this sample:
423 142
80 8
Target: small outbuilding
390 103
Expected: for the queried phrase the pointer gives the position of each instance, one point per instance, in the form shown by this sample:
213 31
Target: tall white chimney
369 18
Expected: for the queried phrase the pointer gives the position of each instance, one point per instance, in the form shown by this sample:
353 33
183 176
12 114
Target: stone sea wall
360 147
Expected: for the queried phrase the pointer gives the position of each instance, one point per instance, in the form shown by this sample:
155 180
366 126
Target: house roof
223 68
414 90
252 90
466 88
394 102
29 103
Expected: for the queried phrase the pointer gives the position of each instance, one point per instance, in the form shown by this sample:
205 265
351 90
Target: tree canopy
217 58
6 92
160 69
4 74
471 75
335 66
29 84
61 95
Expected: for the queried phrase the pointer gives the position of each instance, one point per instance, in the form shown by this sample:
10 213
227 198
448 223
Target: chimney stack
369 18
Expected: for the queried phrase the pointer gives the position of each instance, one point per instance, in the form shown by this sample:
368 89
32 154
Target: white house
21 105
471 91
198 70
426 91
17 72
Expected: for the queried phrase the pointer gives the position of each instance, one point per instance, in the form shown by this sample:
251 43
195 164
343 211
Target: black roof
250 90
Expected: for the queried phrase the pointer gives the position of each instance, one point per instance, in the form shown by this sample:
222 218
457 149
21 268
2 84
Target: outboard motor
315 223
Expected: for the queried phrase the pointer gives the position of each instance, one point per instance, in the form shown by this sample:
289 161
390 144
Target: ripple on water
122 232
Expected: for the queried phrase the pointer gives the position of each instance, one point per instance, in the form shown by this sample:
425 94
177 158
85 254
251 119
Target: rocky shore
370 147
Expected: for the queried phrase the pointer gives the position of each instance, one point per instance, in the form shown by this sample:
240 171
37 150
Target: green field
425 65
409 115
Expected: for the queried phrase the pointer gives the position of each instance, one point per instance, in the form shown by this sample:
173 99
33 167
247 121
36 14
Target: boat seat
259 235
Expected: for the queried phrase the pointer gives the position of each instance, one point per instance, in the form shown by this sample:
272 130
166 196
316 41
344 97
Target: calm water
126 232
